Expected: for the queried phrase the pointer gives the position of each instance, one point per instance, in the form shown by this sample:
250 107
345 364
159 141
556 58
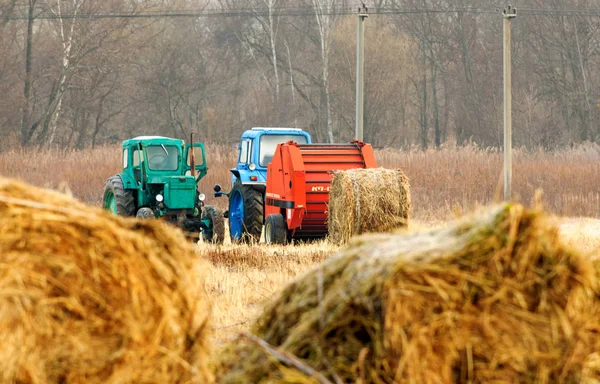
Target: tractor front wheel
145 213
246 207
216 232
117 199
275 230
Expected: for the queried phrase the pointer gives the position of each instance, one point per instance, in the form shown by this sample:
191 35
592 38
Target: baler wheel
117 199
275 230
216 233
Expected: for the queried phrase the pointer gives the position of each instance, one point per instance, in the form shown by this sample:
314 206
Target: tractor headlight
252 167
202 197
159 198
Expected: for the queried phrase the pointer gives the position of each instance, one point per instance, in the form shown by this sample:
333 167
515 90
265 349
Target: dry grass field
442 182
242 278
582 233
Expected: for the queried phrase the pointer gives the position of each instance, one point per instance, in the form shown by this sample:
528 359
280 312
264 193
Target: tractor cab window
162 157
137 158
125 158
245 151
197 156
268 145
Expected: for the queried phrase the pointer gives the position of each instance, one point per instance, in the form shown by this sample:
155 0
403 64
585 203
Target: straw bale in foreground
88 297
494 297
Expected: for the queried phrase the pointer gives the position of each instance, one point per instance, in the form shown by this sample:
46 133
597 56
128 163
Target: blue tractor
249 177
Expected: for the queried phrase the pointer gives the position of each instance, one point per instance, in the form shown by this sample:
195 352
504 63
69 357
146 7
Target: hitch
218 192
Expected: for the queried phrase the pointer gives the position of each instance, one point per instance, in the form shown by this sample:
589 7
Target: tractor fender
128 181
245 176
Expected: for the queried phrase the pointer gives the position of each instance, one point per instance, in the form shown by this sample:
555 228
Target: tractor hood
180 179
179 191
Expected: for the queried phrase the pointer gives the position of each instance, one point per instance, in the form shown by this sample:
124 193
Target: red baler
298 182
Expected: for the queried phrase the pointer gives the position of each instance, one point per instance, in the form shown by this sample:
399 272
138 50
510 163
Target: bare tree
324 10
431 78
292 85
271 29
6 10
67 44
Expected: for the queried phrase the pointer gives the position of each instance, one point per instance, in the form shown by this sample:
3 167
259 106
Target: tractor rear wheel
117 199
216 233
275 230
246 207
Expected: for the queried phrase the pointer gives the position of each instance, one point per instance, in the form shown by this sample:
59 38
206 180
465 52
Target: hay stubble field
240 279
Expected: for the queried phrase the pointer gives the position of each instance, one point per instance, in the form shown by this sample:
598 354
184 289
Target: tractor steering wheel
157 160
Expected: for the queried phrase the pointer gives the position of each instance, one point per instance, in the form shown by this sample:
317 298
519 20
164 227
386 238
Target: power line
433 11
594 12
299 12
244 12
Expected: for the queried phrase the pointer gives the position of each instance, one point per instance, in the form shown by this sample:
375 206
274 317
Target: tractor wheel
145 213
246 207
193 237
275 230
117 199
216 233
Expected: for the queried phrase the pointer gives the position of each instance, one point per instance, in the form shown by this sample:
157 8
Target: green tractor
159 180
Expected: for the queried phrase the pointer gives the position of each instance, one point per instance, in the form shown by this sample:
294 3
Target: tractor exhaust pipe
192 155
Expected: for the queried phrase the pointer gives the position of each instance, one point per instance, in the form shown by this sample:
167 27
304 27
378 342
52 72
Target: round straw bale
367 200
89 297
494 297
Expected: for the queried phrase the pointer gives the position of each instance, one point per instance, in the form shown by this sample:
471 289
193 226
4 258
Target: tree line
433 76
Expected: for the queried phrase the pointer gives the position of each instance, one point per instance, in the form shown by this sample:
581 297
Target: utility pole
509 14
360 71
26 130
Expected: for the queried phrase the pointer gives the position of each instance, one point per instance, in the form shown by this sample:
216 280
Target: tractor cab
159 180
159 168
155 159
256 150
